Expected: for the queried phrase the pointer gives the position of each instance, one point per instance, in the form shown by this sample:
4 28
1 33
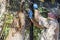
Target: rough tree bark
2 11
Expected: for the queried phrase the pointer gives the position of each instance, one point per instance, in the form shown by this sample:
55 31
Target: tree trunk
3 7
2 11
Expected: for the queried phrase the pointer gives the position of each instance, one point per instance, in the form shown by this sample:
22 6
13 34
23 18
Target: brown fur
19 24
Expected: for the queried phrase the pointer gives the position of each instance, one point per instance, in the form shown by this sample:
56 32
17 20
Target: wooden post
31 28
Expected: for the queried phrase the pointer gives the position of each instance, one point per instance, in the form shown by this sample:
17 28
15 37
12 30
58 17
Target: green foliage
14 5
43 12
7 25
36 32
9 18
5 31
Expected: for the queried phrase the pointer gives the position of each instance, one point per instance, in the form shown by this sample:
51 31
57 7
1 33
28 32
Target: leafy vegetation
7 25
